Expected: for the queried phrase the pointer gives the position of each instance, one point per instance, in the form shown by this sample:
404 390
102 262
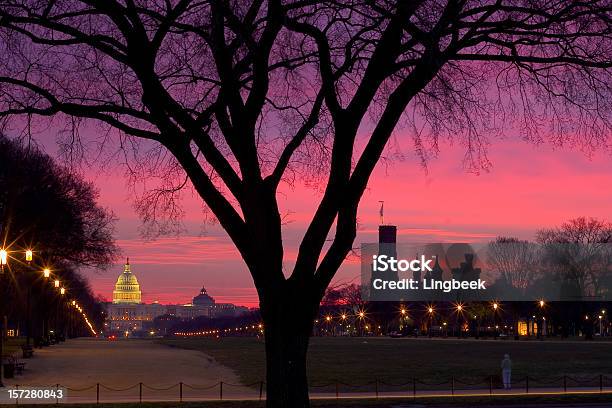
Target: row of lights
217 332
29 256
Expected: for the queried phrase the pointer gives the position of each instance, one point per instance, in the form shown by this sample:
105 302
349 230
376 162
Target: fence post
376 385
565 383
181 391
490 385
140 392
527 385
97 393
453 385
600 382
221 390
260 390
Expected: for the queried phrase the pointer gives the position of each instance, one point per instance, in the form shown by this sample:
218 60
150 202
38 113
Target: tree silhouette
516 261
579 252
46 208
244 95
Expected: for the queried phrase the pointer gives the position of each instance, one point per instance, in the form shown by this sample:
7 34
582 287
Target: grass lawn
362 360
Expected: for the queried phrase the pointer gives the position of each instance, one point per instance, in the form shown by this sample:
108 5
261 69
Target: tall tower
387 245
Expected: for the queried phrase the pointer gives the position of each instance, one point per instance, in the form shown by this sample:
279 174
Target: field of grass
362 360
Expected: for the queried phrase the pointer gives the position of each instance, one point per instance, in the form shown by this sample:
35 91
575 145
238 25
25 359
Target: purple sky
527 188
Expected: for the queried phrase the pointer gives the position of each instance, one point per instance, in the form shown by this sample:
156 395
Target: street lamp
57 283
541 303
3 262
46 272
28 258
600 328
430 312
63 291
3 259
459 309
495 307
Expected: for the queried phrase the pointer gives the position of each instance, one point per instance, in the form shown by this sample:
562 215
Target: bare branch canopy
244 95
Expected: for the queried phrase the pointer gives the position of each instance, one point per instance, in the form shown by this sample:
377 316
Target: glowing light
28 255
328 318
63 291
343 316
430 310
403 311
57 283
542 303
46 272
495 305
3 257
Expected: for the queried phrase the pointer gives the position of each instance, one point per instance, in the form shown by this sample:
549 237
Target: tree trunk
287 326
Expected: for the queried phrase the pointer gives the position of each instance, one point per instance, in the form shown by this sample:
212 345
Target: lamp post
3 260
430 312
495 306
600 328
459 309
28 259
62 315
361 316
46 274
541 304
3 263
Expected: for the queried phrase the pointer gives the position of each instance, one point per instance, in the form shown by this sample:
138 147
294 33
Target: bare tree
244 95
515 260
579 252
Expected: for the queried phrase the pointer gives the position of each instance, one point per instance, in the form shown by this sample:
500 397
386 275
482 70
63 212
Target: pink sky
527 188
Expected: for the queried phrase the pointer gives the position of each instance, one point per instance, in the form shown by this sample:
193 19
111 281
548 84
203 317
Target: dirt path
80 364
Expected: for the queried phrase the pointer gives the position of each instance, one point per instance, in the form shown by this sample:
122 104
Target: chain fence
413 388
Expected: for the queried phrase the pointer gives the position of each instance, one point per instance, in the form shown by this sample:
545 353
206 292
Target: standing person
506 366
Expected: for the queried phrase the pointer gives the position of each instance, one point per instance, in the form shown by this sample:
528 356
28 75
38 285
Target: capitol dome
127 289
203 299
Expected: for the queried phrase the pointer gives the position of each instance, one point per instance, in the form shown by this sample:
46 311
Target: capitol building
127 313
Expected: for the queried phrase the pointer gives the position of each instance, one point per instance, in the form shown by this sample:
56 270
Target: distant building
127 314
